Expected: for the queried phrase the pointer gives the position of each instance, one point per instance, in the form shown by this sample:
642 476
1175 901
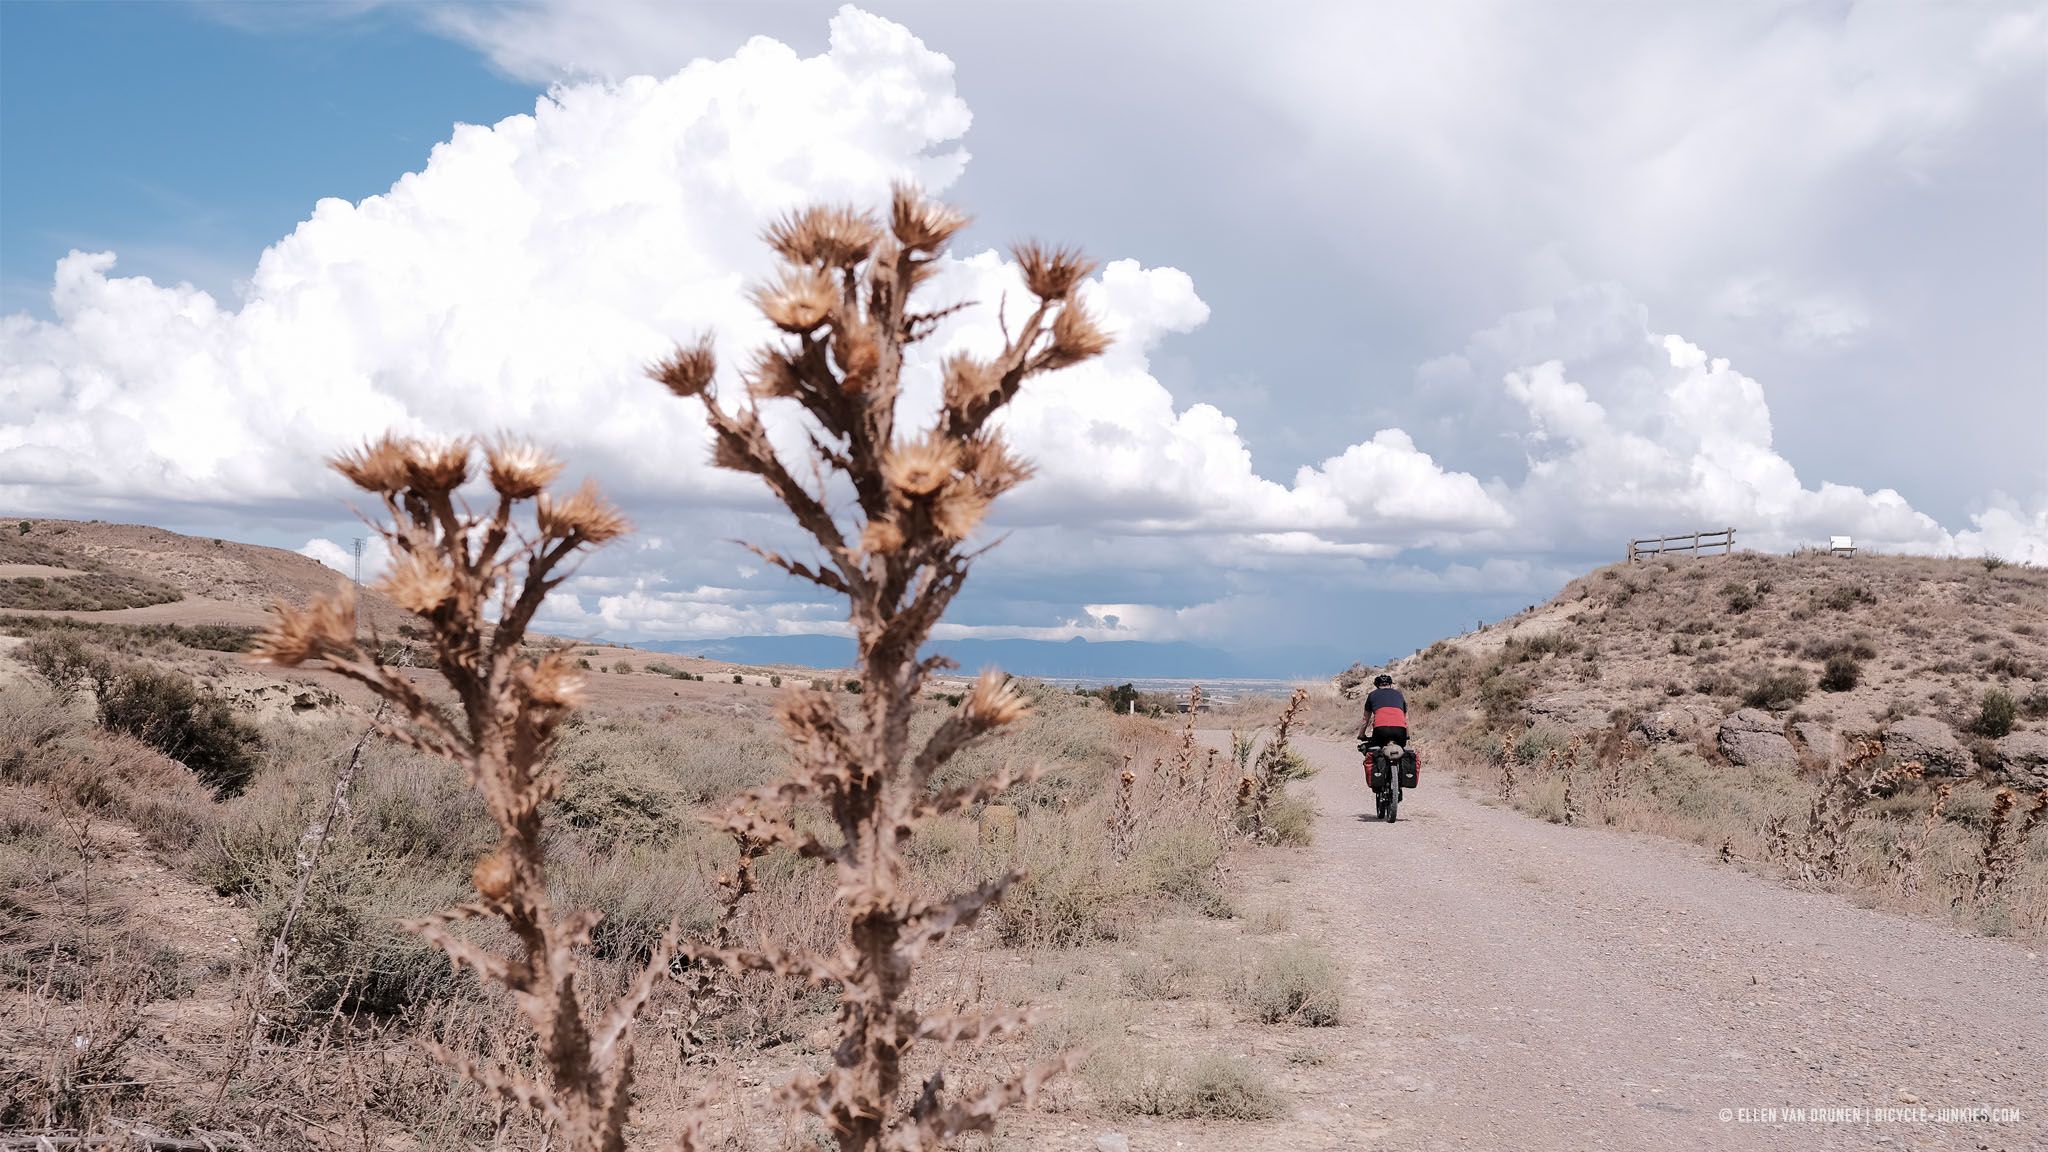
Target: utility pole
359 562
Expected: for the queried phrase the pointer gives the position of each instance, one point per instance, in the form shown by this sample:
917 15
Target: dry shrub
164 709
1211 1086
845 302
1298 984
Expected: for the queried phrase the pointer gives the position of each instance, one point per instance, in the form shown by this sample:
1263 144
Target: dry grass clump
1298 984
1210 1086
845 302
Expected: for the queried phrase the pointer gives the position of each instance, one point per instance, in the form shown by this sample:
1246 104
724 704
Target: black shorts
1387 735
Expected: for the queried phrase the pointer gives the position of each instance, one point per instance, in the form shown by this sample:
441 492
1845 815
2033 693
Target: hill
1765 659
137 574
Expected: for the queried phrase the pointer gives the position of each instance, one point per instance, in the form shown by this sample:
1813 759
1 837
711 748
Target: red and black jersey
1386 708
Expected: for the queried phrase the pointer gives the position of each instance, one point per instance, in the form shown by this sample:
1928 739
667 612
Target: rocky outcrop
1575 711
1819 738
1930 742
1675 725
1753 738
2023 757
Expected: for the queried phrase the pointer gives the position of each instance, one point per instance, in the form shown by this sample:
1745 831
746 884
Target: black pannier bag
1411 768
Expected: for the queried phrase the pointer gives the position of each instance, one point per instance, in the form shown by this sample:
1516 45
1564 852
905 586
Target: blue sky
1423 309
205 133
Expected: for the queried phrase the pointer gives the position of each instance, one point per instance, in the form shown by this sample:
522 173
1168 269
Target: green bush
1995 714
1291 820
166 711
1741 597
65 663
1778 689
1841 674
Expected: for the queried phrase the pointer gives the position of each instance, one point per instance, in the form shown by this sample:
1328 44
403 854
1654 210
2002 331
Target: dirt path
1517 984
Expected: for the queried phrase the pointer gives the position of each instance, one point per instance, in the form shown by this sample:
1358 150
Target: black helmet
1383 681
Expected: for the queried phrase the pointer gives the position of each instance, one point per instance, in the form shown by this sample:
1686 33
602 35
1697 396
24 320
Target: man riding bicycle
1386 714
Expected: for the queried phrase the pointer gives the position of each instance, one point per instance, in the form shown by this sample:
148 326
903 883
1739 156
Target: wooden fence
1697 543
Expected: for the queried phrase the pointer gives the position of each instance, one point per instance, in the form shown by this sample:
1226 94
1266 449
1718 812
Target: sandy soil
1522 985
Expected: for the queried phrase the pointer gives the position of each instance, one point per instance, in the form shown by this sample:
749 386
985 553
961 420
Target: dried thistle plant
1275 765
845 303
1572 813
1505 761
2003 845
476 580
1123 815
1906 861
1846 788
1185 780
710 991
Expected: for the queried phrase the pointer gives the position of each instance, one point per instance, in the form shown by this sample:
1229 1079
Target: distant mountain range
1076 658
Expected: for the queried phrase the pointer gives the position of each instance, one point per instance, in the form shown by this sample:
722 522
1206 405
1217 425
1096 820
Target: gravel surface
1522 985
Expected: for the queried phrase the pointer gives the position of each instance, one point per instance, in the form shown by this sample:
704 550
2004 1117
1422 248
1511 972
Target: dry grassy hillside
134 573
159 793
1873 722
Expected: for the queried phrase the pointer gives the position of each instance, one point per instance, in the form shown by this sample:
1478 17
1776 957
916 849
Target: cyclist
1386 714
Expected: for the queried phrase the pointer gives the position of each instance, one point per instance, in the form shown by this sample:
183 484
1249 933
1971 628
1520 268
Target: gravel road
1522 985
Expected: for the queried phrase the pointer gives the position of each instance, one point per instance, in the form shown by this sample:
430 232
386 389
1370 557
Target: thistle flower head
921 223
995 701
1051 273
327 625
436 467
552 682
799 301
773 375
494 877
1075 337
828 237
381 466
688 370
968 381
520 469
960 507
923 466
583 513
419 581
995 468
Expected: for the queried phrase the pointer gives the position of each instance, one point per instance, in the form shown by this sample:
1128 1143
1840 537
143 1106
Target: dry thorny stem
845 303
2003 845
1269 772
476 580
1123 815
1845 789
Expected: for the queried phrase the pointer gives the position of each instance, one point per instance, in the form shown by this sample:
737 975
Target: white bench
1841 546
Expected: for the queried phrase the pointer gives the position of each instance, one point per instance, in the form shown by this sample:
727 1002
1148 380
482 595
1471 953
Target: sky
1421 310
